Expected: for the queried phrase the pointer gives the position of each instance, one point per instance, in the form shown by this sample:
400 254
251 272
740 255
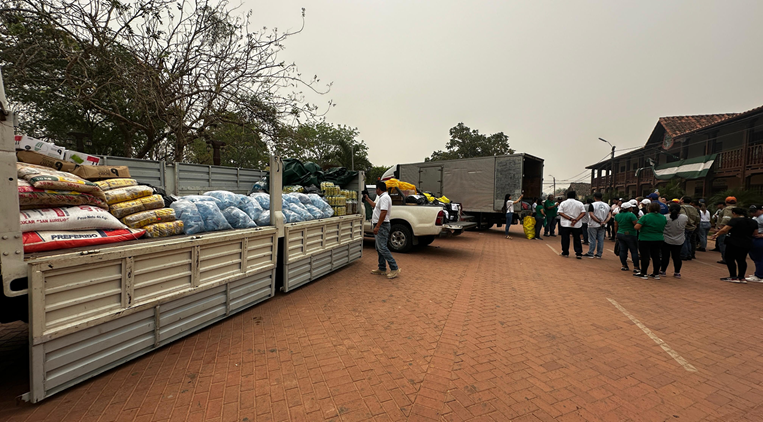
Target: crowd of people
654 231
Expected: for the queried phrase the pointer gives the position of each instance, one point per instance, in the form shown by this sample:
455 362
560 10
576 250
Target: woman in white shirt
704 227
510 211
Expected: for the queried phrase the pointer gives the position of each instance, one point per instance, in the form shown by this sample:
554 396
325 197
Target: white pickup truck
412 224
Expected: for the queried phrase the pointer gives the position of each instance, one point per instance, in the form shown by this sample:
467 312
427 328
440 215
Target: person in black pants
651 227
571 212
738 243
675 237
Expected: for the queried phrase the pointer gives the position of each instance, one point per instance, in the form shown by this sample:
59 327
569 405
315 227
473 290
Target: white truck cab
413 224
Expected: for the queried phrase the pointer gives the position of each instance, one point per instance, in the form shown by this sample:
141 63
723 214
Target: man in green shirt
551 207
625 221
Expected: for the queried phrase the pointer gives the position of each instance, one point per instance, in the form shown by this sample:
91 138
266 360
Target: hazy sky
553 75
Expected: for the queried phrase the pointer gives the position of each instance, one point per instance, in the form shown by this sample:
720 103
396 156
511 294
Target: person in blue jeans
509 210
599 215
381 224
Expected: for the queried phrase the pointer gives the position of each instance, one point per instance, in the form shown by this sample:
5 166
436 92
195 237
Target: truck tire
400 238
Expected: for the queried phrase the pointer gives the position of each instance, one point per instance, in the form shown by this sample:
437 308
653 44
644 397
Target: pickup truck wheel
484 226
400 238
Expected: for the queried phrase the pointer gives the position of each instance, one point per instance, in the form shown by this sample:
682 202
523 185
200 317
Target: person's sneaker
579 256
739 281
393 274
637 271
729 279
378 272
597 256
655 276
508 237
754 279
641 276
563 255
677 275
721 262
663 273
625 269
589 256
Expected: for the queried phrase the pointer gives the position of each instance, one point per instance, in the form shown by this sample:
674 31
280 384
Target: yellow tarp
394 183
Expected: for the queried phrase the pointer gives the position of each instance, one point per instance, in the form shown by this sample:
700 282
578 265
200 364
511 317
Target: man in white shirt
380 221
599 215
571 213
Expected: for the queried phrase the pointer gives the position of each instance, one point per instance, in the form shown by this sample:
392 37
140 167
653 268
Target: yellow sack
444 199
529 226
394 183
429 197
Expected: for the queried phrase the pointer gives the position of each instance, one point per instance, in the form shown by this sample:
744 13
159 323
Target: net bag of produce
289 198
123 209
31 197
250 206
130 193
166 229
227 199
81 217
328 212
187 212
262 198
291 217
300 210
110 184
238 219
214 219
529 226
49 179
303 199
263 219
314 211
41 241
144 218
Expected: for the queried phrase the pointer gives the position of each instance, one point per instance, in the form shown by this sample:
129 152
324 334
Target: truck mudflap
456 228
92 313
313 249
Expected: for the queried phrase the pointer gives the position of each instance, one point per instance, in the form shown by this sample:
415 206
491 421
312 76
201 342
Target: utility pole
352 158
611 165
553 193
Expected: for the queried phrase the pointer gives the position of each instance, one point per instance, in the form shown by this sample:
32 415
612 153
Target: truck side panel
470 182
91 313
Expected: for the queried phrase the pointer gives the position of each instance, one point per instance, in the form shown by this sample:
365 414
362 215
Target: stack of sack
60 210
297 207
137 207
219 210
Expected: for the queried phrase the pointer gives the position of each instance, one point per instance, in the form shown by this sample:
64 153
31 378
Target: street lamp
553 192
611 164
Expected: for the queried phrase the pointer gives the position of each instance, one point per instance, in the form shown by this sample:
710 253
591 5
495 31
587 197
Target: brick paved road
477 328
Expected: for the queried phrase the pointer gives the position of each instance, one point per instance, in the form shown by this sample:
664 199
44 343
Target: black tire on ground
483 226
400 238
426 240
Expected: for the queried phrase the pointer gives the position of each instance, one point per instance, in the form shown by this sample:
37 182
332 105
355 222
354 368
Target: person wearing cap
651 229
723 219
693 215
643 209
739 231
656 198
625 222
756 253
599 215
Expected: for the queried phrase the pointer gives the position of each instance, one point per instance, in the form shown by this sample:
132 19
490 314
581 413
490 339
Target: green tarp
309 173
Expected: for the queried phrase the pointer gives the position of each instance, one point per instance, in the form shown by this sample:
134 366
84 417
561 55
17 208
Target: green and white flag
692 168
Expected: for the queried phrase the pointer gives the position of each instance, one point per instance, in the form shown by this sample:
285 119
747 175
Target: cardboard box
81 158
27 143
102 172
32 157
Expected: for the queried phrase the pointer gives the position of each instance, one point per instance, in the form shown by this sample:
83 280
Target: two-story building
707 153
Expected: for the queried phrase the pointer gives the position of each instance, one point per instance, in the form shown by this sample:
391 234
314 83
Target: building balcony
730 161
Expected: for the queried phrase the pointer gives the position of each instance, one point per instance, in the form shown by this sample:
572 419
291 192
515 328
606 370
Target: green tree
147 78
469 143
745 197
375 173
327 145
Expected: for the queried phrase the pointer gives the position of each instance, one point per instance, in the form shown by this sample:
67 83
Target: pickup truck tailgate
460 225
